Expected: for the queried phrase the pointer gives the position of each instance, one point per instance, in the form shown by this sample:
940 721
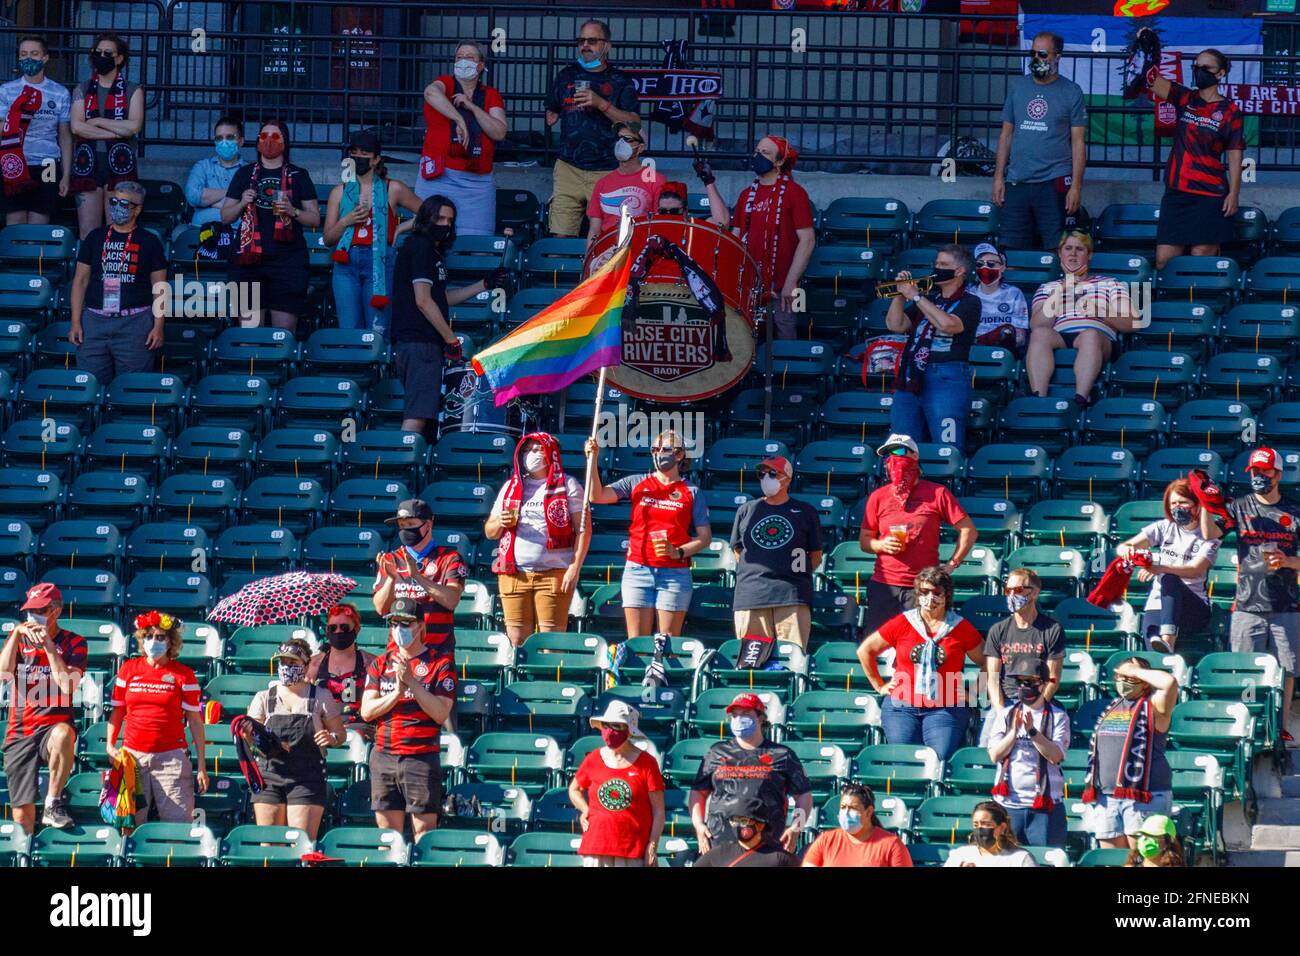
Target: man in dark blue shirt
588 99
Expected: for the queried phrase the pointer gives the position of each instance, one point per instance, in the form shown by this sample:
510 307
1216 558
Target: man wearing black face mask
1266 613
419 570
1041 179
420 331
753 845
1203 173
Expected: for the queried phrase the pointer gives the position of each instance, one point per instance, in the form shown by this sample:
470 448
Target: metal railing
862 92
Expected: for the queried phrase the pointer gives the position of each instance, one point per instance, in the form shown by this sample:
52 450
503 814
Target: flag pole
624 234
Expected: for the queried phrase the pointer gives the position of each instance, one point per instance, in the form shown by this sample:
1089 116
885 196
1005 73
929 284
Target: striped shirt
443 566
407 729
154 702
1076 305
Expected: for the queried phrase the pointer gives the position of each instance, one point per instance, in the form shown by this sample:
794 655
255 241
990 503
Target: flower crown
155 619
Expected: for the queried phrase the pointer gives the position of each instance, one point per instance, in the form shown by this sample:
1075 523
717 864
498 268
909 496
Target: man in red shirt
410 692
431 575
774 219
901 527
629 186
45 664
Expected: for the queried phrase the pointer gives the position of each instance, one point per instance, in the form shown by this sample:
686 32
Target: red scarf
1042 792
559 529
121 154
1114 583
904 473
13 163
1139 747
250 232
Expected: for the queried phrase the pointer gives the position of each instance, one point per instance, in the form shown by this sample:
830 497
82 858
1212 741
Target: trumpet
885 290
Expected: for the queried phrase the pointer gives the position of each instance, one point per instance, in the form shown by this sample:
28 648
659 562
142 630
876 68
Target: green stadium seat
64 394
1104 856
789 678
17 545
171 844
1284 231
236 691
355 354
1272 279
14 842
365 502
1224 729
1171 663
555 707
682 761
906 771
969 770
995 372
1253 679
554 811
520 210
1252 230
1124 266
707 717
1135 424
43 250
529 761
792 415
848 565
473 456
526 303
1098 630
979 573
90 544
186 594
165 545
1269 328
252 845
1078 680
329 403
365 846
31 495
86 592
681 658
385 453
292 503
256 352
963 221
15 349
1103 473
192 499
1254 379
303 453
1061 569
1050 422
944 819
1018 473
256 548
91 845
554 262
1211 423
152 398
731 462
835 666
120 446
556 655
836 468
213 450
1167 464
456 848
1066 522
838 716
29 298
1028 269
1211 279
233 400
1159 375
1188 327
1124 227
540 849
877 223
927 854
997 520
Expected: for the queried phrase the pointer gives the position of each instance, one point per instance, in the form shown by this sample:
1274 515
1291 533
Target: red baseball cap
1262 458
779 464
747 701
41 596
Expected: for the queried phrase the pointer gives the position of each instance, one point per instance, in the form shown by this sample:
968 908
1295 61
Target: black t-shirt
734 774
417 261
1044 640
775 543
1260 590
950 348
586 136
300 188
733 854
127 257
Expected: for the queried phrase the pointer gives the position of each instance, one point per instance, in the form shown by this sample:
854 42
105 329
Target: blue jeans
942 729
1038 827
1179 606
1030 205
940 411
353 288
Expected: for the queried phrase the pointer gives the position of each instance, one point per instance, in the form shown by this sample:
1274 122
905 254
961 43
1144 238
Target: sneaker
56 814
1159 644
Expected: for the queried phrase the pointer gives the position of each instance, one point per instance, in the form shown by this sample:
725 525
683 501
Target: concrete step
1264 858
1284 811
1266 836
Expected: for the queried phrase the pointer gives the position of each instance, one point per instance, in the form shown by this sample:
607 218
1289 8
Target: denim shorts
665 589
1110 817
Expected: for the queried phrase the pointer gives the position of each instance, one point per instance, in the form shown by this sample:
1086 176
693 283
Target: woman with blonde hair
665 510
158 696
1081 311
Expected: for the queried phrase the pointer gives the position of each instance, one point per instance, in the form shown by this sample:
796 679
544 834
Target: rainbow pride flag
572 337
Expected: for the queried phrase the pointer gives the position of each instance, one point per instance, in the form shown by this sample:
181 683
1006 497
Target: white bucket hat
618 712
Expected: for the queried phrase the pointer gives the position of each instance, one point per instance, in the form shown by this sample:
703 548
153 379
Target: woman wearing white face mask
157 696
464 120
540 555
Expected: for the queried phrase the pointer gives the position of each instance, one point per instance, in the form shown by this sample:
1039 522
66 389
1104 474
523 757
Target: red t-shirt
928 507
615 190
902 637
37 699
442 566
756 219
675 508
407 729
153 701
442 150
837 848
619 819
1206 131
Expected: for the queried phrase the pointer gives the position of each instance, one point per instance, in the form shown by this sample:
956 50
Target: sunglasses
1022 589
1042 54
106 52
656 448
930 591
900 451
120 203
629 139
273 137
989 264
767 473
337 628
590 41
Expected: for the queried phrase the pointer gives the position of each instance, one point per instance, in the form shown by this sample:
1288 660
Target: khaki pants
167 779
570 194
791 623
533 601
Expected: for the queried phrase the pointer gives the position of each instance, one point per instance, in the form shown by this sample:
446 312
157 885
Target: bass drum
468 406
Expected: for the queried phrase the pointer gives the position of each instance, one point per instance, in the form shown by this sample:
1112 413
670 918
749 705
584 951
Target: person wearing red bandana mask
900 525
273 201
774 219
619 793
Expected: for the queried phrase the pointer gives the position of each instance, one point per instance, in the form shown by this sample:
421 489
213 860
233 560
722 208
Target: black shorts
281 279
300 791
42 198
1190 219
883 602
408 782
24 758
419 366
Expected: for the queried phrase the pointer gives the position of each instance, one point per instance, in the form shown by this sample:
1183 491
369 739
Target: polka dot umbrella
282 597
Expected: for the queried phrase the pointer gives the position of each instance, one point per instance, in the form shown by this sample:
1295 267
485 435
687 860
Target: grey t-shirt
1023 785
42 139
1042 114
530 539
1043 640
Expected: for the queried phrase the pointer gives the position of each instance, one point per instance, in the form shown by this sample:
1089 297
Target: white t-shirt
1177 546
1023 784
972 854
1005 305
42 140
530 537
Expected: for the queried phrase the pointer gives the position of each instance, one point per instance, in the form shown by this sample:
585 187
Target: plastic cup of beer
1272 555
659 540
580 85
899 533
509 517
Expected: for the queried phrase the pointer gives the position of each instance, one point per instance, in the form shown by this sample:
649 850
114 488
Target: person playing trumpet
932 385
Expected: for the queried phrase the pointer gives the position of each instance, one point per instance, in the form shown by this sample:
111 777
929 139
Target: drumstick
505 248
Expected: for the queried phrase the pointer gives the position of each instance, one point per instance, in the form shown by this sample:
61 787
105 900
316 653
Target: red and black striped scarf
1133 779
13 162
1042 791
122 163
249 250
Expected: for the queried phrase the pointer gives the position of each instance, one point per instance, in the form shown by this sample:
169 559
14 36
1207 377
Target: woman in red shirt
858 840
157 697
619 793
925 701
464 119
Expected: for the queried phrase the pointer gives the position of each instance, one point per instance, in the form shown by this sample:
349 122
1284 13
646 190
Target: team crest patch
615 794
169 678
448 684
774 531
1036 108
421 669
675 495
